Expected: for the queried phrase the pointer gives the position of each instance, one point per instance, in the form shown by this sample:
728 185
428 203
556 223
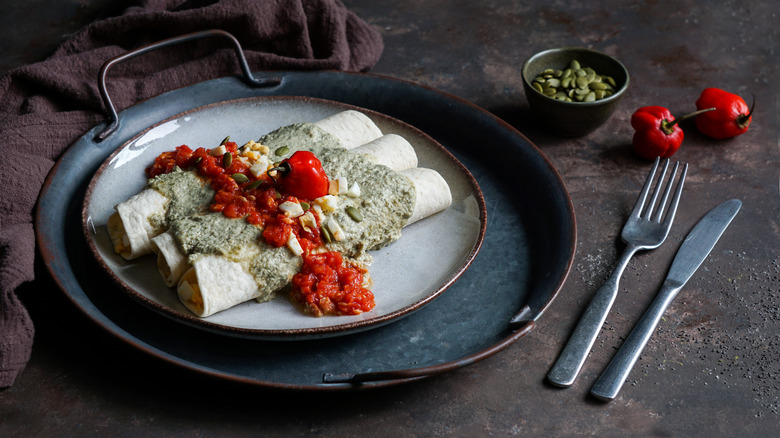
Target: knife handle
584 336
608 385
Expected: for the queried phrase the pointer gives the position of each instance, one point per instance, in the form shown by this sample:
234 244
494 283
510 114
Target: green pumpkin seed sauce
188 195
386 198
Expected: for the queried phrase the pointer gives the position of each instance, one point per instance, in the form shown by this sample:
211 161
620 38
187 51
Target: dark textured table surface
713 366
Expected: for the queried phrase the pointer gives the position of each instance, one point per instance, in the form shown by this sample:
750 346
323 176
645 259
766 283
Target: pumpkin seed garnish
227 159
240 178
255 184
326 234
354 213
281 151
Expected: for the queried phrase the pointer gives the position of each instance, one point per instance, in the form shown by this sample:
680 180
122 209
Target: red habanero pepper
302 176
730 118
658 133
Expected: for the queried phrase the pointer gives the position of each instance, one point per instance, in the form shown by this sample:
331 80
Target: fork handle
584 336
608 385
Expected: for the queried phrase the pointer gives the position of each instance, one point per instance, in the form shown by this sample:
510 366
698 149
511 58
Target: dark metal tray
526 255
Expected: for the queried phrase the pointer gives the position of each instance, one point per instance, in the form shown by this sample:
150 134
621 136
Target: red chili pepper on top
658 133
730 118
302 176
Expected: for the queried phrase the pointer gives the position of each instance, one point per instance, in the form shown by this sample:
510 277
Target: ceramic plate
407 274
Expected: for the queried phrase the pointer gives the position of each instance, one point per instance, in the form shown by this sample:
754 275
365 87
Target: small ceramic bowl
574 118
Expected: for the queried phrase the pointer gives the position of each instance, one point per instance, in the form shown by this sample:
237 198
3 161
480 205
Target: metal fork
646 228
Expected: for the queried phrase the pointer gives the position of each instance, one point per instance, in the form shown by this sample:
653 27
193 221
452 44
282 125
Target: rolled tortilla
390 150
215 283
171 262
351 127
130 227
433 193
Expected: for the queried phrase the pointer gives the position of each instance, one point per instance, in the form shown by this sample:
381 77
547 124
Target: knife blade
692 253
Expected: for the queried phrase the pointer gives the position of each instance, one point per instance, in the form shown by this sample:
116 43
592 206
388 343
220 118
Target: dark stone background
713 367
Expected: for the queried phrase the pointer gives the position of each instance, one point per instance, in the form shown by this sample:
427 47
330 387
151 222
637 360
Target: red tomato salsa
239 194
326 284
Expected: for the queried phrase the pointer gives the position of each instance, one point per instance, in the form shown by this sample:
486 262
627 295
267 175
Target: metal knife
692 252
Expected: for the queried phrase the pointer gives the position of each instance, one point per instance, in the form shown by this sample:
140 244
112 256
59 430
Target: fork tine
677 192
660 210
640 201
649 211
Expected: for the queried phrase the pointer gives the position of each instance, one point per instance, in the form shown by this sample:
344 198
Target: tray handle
113 117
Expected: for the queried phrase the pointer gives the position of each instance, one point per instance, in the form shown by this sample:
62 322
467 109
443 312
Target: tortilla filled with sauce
131 227
351 128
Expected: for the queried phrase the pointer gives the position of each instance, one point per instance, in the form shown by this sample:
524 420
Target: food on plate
433 193
143 216
171 262
301 175
351 128
391 150
295 210
131 227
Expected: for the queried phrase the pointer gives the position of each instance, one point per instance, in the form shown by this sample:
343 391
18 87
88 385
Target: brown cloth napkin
45 107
